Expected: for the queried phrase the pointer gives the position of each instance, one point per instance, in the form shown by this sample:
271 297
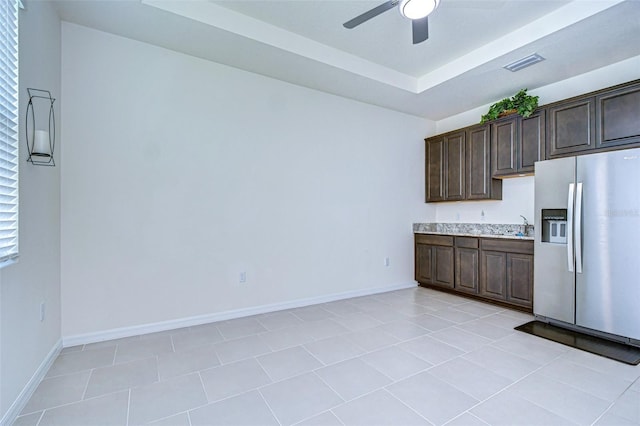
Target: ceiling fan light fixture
417 9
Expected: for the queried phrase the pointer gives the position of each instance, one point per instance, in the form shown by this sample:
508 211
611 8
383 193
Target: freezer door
608 289
554 279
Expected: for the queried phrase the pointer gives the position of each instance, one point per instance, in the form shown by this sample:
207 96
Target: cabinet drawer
467 242
504 245
434 240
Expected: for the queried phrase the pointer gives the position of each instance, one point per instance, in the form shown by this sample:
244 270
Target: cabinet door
520 279
618 115
503 147
454 170
467 268
493 274
434 168
424 255
571 127
531 138
478 150
443 266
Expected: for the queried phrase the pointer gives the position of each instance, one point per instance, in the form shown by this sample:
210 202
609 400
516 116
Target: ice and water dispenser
554 226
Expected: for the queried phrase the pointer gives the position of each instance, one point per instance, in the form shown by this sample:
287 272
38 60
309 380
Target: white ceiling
457 69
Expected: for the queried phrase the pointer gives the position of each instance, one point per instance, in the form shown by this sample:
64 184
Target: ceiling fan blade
420 29
370 14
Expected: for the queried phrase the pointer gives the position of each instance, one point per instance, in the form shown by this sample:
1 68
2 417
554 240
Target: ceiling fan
416 10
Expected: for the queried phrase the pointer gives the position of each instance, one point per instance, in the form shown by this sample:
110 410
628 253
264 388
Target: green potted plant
520 103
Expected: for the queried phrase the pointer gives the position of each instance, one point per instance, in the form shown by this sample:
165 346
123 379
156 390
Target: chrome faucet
528 229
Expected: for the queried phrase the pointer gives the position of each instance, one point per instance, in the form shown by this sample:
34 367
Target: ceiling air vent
524 62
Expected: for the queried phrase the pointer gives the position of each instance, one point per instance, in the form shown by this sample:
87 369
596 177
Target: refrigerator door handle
578 230
570 227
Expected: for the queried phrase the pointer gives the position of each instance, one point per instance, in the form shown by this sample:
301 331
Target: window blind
8 130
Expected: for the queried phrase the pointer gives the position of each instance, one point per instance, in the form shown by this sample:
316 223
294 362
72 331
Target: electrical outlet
386 261
42 307
242 278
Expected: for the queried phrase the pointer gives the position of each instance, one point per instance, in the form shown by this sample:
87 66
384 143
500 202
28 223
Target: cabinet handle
578 231
570 227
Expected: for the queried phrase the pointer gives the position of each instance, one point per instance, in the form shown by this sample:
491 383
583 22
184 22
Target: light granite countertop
486 230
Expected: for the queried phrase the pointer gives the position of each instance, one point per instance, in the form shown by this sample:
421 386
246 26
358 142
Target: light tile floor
409 357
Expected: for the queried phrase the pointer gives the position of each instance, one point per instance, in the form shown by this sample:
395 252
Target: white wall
25 342
518 193
517 199
180 173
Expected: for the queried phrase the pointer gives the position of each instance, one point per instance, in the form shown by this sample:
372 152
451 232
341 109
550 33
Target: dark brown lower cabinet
492 269
424 253
466 265
434 260
506 271
493 275
520 279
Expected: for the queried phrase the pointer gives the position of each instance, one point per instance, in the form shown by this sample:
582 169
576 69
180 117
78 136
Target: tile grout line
86 386
462 414
40 418
510 386
605 411
115 354
128 406
67 404
204 388
588 368
407 405
319 414
314 356
157 358
460 356
269 407
173 346
610 406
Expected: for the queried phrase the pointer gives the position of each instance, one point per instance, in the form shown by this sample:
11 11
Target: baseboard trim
21 401
117 333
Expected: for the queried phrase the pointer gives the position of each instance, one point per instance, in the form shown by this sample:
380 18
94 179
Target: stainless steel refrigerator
587 243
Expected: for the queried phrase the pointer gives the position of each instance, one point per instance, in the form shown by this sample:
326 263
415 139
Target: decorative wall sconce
40 143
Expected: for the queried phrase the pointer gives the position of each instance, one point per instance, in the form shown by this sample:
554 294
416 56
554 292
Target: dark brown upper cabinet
503 147
458 166
517 143
618 113
445 165
480 185
572 127
435 166
455 165
467 164
532 139
605 120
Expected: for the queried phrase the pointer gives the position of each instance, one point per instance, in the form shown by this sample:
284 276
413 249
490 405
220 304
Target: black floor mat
596 345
